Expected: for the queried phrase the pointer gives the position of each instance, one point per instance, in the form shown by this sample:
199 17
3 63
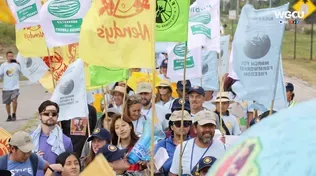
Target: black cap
177 106
289 87
164 63
100 133
112 153
207 161
5 173
198 90
181 84
260 117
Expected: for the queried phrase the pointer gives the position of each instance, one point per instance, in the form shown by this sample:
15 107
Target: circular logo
207 160
67 87
4 147
64 8
257 46
181 101
54 62
20 3
195 87
96 131
167 14
204 18
112 148
10 72
179 49
28 62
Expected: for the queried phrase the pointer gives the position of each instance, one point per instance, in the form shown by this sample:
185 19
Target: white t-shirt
217 150
10 73
138 125
160 113
232 124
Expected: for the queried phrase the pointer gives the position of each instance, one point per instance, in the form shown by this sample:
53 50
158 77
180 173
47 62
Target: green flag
100 76
172 20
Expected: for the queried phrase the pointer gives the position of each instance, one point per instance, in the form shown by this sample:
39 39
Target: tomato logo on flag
123 8
20 3
64 8
4 147
54 62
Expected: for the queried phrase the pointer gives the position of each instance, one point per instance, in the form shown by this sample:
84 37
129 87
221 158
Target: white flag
204 25
176 63
224 54
32 68
61 21
26 12
70 93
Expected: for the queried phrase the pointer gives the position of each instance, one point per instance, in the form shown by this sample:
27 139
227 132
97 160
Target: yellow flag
30 42
98 167
58 62
5 13
138 77
4 141
119 34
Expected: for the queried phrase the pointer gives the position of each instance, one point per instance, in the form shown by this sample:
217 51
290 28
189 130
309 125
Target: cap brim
118 155
163 85
217 101
206 121
184 119
113 91
95 136
27 148
144 91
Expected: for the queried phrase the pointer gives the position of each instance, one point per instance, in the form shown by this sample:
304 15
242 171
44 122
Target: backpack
33 158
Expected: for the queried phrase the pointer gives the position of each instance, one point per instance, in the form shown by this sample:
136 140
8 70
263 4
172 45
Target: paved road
33 94
30 98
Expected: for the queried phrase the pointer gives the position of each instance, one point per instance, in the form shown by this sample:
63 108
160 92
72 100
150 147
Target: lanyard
193 151
148 110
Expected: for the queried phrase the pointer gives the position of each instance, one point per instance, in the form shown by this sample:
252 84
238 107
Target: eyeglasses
162 87
53 114
185 124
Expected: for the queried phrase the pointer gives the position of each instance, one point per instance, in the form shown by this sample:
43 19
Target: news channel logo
293 21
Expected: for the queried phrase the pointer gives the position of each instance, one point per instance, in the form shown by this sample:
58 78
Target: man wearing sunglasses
202 145
48 138
171 142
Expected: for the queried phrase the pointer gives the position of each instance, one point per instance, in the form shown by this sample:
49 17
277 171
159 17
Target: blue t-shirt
24 169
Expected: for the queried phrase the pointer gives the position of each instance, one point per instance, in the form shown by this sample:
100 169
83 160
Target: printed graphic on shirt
241 160
22 172
10 72
78 126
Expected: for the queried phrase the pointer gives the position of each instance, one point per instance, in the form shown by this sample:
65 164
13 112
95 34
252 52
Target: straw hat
223 97
164 83
119 89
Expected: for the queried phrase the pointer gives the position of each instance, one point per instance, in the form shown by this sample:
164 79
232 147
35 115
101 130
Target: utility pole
270 3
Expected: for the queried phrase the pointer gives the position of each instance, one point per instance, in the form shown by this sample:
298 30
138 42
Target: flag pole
105 110
123 105
275 85
50 68
221 87
183 102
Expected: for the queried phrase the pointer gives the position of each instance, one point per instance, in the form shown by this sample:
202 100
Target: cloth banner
224 54
176 63
204 25
26 12
30 41
209 80
172 20
100 76
6 15
59 60
124 31
32 68
4 141
70 93
61 21
256 51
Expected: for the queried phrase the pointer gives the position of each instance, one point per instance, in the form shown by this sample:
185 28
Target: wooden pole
295 31
221 87
51 68
183 102
124 97
312 36
105 110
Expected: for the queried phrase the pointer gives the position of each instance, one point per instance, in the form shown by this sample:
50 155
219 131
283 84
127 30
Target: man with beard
200 146
48 139
144 90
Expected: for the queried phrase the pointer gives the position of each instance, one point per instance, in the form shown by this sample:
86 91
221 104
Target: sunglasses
185 124
160 87
53 114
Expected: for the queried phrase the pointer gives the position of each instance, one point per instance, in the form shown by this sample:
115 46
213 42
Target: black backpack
33 158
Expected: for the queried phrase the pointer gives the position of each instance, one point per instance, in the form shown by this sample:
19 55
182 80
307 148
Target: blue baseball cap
207 161
164 63
100 133
177 105
181 84
112 153
289 87
198 90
